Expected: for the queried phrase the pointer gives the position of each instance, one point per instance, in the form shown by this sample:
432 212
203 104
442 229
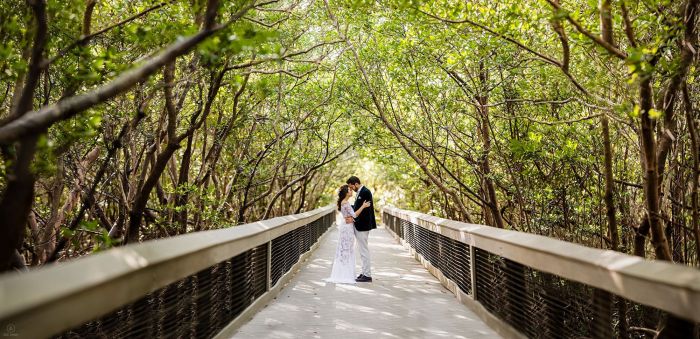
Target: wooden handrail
670 287
60 296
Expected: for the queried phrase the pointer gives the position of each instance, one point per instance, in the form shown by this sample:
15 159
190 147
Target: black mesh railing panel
287 248
450 256
283 249
197 306
543 305
200 305
457 266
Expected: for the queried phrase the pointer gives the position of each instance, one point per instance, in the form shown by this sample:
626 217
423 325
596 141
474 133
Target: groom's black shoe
363 278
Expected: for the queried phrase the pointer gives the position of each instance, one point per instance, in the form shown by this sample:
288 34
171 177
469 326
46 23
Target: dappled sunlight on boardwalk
404 301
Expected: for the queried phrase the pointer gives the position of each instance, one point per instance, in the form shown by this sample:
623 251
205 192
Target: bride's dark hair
342 193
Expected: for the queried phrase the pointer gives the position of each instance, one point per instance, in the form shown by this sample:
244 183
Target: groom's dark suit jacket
365 221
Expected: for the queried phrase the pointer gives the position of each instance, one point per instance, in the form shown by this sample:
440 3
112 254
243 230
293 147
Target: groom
363 224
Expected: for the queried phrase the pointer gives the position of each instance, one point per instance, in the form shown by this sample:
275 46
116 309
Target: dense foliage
129 120
240 128
575 121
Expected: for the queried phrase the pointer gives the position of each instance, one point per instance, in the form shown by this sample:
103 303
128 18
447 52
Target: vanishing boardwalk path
404 301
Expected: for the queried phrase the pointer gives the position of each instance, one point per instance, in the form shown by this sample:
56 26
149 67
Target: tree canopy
123 121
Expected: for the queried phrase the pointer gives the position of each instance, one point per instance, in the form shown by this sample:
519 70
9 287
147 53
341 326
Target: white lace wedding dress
344 262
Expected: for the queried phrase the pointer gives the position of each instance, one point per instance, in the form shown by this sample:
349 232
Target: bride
344 263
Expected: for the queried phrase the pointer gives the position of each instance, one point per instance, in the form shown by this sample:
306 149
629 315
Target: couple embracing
358 220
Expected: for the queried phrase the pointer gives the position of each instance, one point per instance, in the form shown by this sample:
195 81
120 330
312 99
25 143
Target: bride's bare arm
365 205
350 220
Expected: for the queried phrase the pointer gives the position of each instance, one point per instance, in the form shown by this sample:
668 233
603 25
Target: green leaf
635 111
66 232
655 114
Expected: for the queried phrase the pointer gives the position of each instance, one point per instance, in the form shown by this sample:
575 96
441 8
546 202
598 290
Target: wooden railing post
472 270
269 265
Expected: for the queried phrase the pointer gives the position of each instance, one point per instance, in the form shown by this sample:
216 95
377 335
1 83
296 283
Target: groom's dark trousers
363 224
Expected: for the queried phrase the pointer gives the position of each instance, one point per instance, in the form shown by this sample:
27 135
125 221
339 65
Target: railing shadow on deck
192 285
526 285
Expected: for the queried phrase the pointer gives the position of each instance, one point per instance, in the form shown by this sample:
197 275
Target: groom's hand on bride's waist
349 220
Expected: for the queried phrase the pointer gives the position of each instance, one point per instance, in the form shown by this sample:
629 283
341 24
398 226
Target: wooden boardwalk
404 301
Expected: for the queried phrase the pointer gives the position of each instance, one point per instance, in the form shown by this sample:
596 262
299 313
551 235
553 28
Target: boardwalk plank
404 301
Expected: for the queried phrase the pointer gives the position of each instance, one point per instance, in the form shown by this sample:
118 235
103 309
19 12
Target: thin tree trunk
19 191
695 176
183 191
651 177
484 130
604 299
